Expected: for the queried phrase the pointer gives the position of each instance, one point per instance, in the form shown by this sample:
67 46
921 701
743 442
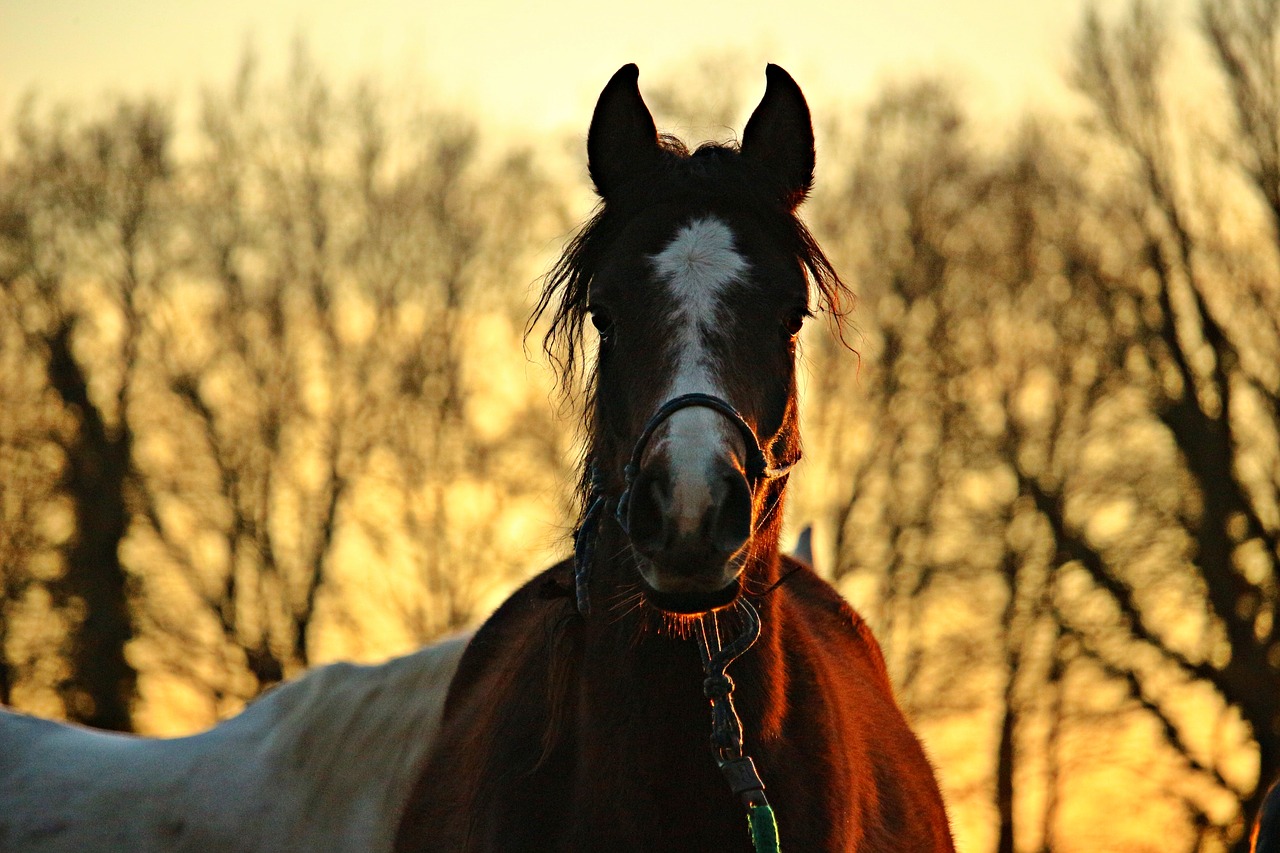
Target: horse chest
674 799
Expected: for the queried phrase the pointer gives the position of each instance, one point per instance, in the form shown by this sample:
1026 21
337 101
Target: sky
540 64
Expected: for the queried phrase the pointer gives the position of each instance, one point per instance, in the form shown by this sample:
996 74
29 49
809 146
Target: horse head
696 274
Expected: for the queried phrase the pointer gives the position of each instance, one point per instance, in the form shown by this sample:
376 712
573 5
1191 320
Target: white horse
323 763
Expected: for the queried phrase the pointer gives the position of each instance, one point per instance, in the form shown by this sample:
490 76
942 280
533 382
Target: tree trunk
102 685
1004 772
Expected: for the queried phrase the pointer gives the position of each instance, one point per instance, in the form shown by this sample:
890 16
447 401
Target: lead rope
726 728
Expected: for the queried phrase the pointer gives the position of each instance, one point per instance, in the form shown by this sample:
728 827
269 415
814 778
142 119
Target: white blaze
698 266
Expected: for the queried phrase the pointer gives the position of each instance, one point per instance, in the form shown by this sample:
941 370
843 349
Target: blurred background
266 399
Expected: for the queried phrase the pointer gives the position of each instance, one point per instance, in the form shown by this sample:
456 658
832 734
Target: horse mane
714 177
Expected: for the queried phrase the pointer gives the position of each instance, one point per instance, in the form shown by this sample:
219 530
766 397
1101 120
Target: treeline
264 396
1060 461
248 402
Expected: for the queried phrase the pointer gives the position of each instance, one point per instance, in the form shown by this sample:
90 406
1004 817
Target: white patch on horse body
698 265
324 762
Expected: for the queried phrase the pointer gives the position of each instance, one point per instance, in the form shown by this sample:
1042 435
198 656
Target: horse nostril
731 527
648 514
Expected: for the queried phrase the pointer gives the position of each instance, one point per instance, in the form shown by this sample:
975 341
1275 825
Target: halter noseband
584 541
757 468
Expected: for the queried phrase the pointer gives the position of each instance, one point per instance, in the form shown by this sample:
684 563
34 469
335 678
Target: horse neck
633 655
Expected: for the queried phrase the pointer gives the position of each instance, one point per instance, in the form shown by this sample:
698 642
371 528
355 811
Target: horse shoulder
515 641
500 722
835 623
901 805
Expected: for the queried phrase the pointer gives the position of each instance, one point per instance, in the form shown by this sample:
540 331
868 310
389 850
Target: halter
726 728
757 468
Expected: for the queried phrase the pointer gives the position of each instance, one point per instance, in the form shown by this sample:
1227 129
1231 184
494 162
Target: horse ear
623 141
779 136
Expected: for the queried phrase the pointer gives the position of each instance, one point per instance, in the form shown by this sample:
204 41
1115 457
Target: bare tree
1011 457
343 260
1204 345
274 362
30 459
85 249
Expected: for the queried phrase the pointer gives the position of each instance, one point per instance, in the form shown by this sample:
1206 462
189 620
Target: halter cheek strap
584 542
756 464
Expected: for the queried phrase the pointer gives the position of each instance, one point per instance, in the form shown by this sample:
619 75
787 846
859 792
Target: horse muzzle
690 534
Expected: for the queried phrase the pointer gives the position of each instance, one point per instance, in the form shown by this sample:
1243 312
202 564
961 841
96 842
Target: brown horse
1265 837
580 714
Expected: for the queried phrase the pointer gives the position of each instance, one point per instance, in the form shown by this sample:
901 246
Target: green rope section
764 829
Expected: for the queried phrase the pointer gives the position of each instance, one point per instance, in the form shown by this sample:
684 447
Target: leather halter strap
756 464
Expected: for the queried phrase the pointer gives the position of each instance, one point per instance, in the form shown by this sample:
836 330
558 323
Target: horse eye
603 323
794 323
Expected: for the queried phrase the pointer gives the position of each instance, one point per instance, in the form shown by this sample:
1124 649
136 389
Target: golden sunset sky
539 65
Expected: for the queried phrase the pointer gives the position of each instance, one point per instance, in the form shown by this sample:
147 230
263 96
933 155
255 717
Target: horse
1265 835
324 762
580 714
